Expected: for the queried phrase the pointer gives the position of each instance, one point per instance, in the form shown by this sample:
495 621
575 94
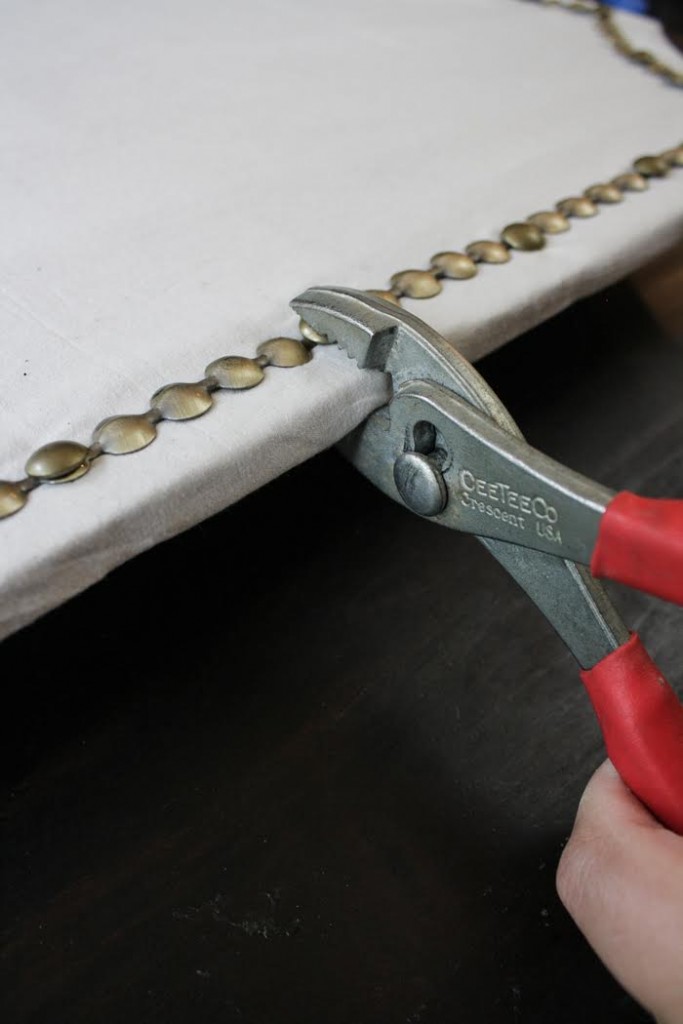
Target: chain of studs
61 462
610 29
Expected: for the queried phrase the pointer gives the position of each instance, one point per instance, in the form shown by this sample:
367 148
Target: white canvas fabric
174 172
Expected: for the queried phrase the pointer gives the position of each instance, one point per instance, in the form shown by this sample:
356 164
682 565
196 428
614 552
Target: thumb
621 879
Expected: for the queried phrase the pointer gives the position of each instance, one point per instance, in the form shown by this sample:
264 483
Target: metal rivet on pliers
420 484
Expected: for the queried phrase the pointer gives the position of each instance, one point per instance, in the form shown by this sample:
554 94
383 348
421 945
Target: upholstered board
174 173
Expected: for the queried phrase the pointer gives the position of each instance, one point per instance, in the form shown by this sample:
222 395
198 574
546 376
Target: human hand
621 879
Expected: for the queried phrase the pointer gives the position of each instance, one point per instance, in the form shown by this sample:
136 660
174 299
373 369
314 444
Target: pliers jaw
384 337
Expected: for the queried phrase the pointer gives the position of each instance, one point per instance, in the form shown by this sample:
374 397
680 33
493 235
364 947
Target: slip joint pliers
446 447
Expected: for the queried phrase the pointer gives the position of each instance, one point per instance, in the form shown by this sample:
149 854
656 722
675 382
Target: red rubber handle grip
640 543
642 722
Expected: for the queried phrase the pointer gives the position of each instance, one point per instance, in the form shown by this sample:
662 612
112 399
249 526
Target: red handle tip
642 722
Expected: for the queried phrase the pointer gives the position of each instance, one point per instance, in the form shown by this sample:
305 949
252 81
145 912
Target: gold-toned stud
58 462
182 401
235 373
12 498
386 296
457 266
651 166
643 57
416 284
310 335
120 435
604 193
488 252
523 236
284 352
674 157
577 206
550 221
631 182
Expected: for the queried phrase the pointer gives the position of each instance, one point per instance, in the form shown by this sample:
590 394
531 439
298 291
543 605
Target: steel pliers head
446 447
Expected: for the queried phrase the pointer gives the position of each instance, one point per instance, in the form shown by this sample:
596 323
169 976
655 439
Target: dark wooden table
316 759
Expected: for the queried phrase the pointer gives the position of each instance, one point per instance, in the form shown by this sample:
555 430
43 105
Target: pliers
447 448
